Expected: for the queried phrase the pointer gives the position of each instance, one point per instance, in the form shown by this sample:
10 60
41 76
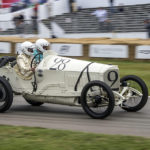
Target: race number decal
59 64
112 77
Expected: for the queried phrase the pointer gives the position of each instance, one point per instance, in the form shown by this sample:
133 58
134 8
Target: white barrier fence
95 50
109 51
142 52
68 49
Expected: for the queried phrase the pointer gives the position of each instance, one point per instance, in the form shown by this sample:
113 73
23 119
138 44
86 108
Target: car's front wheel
97 99
136 93
6 95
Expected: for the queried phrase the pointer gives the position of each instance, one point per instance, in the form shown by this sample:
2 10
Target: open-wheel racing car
61 80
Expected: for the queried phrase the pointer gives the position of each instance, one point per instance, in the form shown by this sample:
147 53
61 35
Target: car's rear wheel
97 99
34 103
136 94
6 95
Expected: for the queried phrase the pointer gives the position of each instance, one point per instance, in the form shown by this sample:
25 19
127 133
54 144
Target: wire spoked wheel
6 95
136 93
97 99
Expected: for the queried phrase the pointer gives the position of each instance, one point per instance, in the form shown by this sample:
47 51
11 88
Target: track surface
73 118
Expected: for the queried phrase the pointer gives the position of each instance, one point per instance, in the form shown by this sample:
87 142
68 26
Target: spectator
16 19
19 23
14 7
79 8
43 1
72 6
121 8
34 18
36 8
21 18
49 7
0 4
112 6
22 5
50 4
102 16
18 6
147 26
26 2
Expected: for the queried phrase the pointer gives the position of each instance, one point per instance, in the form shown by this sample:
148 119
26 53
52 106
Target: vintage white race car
61 80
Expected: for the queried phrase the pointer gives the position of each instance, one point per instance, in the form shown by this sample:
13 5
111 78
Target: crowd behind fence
18 27
131 19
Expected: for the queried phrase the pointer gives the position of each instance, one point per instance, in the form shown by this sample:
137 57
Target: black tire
33 103
105 97
6 59
6 95
138 84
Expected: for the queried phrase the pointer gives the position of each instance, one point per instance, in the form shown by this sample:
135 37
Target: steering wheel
33 59
34 83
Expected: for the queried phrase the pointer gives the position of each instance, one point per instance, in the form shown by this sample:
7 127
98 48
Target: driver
24 60
41 45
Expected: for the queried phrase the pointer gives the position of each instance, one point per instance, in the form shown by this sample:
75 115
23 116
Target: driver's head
42 45
27 48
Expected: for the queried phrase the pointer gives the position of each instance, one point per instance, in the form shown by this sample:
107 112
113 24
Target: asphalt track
74 118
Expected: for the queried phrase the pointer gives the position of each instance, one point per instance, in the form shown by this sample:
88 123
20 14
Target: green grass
138 68
25 138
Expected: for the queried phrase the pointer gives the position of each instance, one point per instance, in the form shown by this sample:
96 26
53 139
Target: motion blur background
79 19
70 18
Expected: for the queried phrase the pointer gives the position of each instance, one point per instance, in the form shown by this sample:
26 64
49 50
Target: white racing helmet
42 45
27 48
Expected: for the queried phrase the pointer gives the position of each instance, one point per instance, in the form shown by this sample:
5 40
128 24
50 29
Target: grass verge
25 138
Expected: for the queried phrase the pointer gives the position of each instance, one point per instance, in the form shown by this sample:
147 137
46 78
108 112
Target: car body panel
61 79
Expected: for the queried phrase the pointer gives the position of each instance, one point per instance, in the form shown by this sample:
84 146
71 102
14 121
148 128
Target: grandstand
81 22
131 20
127 25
